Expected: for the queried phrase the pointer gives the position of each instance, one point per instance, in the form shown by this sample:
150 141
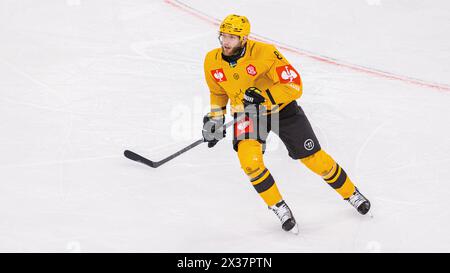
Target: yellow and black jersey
262 66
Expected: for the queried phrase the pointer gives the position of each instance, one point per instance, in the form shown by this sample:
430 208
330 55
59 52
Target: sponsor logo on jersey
243 126
219 75
287 74
309 144
296 87
251 70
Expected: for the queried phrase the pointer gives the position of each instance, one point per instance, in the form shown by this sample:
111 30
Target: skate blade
295 230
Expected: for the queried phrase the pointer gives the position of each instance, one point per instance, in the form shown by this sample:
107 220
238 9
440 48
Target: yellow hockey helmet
235 25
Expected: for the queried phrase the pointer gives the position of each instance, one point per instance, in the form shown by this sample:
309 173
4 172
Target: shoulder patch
218 75
288 74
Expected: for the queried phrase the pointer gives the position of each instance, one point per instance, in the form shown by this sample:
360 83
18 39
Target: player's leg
249 147
251 159
297 134
324 165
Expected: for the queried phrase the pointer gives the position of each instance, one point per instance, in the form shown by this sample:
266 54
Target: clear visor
228 36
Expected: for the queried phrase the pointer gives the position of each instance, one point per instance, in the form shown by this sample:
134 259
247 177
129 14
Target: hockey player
262 87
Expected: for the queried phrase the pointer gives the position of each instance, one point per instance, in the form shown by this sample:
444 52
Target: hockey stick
155 164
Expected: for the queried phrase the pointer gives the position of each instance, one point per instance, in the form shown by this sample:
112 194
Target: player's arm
218 96
287 83
214 120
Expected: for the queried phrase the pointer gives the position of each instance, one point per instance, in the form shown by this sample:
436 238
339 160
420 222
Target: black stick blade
135 157
155 164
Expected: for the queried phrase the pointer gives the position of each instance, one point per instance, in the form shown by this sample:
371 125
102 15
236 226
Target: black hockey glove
253 96
212 129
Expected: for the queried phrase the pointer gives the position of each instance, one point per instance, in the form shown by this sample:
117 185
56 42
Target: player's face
230 43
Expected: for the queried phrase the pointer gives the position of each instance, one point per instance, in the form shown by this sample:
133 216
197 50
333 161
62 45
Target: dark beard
237 54
236 51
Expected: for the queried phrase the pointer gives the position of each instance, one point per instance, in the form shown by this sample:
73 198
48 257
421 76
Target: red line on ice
442 87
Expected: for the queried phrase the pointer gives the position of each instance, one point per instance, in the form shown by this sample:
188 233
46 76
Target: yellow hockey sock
251 159
322 164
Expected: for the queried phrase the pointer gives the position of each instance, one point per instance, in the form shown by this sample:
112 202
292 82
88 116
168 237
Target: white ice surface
80 81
